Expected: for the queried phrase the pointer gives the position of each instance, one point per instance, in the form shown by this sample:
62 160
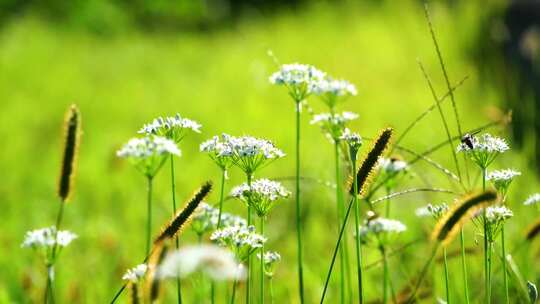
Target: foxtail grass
533 231
153 277
359 184
134 297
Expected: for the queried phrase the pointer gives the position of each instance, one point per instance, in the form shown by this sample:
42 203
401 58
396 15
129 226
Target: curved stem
446 276
297 199
464 267
357 238
177 243
149 216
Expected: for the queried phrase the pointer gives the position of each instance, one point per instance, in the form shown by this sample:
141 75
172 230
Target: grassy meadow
220 79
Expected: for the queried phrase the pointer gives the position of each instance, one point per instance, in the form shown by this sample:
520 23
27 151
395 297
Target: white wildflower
333 124
250 153
436 211
392 165
261 195
149 153
48 237
243 241
502 179
173 127
353 140
219 149
217 263
495 214
380 229
298 78
333 90
136 273
483 150
270 259
532 199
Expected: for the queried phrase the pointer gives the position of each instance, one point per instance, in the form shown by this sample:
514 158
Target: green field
220 78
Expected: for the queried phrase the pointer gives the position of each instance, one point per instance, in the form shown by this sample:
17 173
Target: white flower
532 199
228 219
353 140
243 241
270 258
219 149
217 263
149 153
380 229
298 78
333 124
205 219
261 195
136 273
392 165
173 127
497 214
335 87
250 153
483 150
501 179
45 237
436 211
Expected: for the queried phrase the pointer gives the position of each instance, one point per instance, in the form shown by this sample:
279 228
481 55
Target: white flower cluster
353 140
270 259
392 165
501 179
172 127
334 87
217 263
47 238
205 219
248 146
135 274
498 214
298 78
532 199
219 149
486 143
380 230
436 211
243 241
333 124
148 146
261 195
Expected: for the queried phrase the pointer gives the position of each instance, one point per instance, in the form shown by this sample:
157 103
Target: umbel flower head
45 239
205 219
353 142
333 124
482 150
241 240
217 263
502 179
270 259
299 79
135 274
532 199
332 91
433 210
496 216
380 230
391 170
148 154
250 153
173 127
261 196
219 149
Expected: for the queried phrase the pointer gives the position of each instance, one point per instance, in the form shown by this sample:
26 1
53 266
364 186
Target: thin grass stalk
297 200
336 249
464 267
357 238
262 264
387 203
177 243
149 215
221 195
486 246
505 276
248 279
385 274
446 276
271 289
339 208
233 295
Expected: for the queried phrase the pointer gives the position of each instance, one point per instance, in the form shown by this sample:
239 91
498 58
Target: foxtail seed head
183 216
133 293
72 135
156 258
455 218
533 231
365 171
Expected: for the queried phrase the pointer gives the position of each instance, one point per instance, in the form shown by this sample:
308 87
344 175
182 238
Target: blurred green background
125 63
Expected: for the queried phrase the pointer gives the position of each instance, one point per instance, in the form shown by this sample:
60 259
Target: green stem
464 267
149 216
262 264
221 196
177 243
49 291
505 278
486 249
297 198
248 279
234 291
271 288
339 207
490 254
446 278
387 215
357 231
385 275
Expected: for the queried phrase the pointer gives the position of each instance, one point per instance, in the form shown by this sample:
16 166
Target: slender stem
177 243
149 216
49 289
248 279
261 300
464 266
49 292
490 254
446 278
234 291
505 278
387 203
385 275
486 249
297 197
271 287
336 249
339 207
221 196
357 231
